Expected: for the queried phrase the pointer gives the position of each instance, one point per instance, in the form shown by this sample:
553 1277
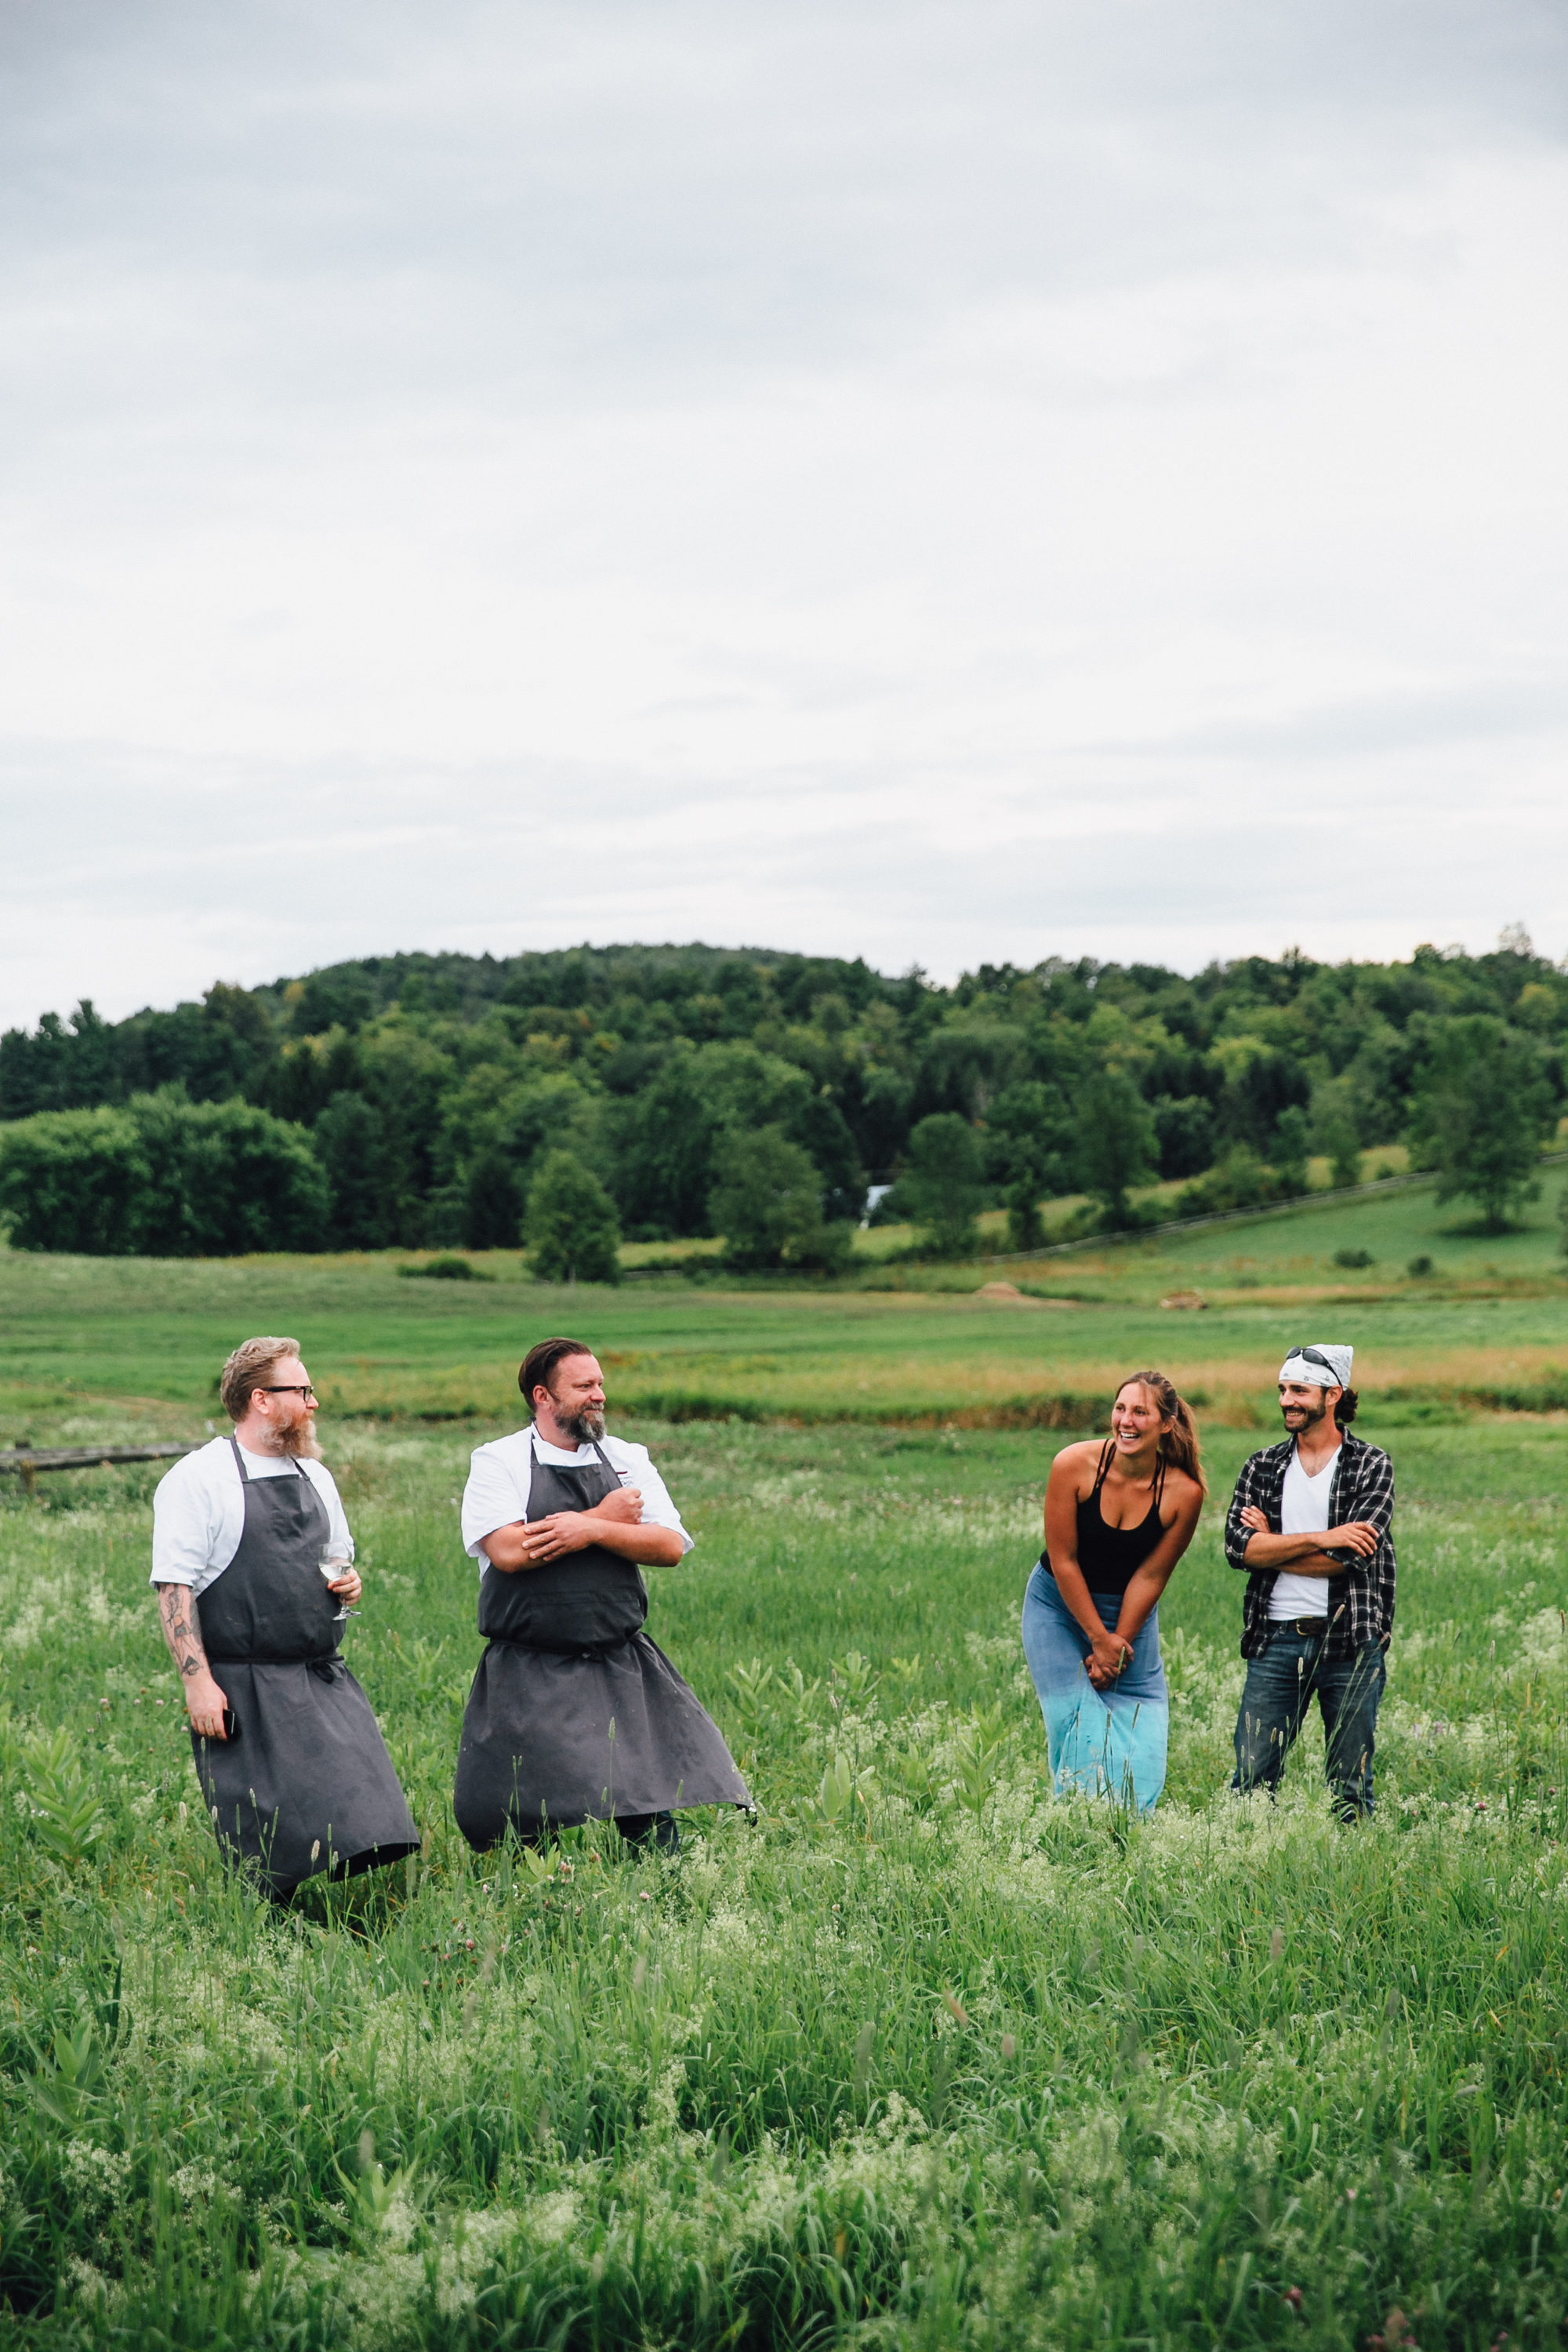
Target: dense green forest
413 1099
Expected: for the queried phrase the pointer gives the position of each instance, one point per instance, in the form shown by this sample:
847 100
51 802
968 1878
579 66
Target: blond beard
299 1443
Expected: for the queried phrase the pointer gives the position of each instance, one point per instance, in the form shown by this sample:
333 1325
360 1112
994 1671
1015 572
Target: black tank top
1110 1556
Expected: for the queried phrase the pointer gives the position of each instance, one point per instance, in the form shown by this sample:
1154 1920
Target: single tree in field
1480 1106
1335 1132
573 1232
348 1142
1116 1142
767 1203
492 1203
1027 1152
1292 1144
1184 1132
943 1182
1025 1227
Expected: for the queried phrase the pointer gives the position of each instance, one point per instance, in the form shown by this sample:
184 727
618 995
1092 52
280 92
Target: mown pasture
1489 1325
918 2058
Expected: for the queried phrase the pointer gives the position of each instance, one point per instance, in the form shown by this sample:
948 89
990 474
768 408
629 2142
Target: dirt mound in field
1007 1293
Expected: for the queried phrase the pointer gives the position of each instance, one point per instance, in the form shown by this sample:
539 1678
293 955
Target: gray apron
574 1715
308 1785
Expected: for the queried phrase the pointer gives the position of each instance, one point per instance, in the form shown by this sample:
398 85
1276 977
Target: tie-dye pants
1109 1743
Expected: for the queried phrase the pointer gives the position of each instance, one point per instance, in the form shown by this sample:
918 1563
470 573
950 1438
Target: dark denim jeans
1280 1687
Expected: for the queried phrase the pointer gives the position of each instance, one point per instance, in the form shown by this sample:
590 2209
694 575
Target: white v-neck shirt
502 1472
198 1511
1303 1511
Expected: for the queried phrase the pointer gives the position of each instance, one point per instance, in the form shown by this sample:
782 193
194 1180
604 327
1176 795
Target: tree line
579 1097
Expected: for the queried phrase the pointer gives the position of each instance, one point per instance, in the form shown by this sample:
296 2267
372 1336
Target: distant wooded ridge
411 1100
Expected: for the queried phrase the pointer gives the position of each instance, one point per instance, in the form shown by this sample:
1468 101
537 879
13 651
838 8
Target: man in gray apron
574 1715
291 1761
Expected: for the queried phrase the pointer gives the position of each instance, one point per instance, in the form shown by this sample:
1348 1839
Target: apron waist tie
326 1670
592 1651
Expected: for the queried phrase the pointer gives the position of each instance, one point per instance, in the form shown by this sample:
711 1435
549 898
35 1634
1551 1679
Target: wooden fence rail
24 1462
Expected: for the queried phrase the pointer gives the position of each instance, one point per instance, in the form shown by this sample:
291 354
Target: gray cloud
941 482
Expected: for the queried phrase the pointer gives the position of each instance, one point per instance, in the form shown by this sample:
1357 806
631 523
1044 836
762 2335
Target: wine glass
332 1559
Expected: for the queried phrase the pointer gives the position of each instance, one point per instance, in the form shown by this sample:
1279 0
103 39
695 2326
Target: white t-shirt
198 1511
501 1473
1303 1511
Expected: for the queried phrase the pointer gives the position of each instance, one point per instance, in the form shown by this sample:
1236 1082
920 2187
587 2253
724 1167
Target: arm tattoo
182 1629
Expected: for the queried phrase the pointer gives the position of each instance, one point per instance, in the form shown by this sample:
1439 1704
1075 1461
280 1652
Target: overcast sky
947 483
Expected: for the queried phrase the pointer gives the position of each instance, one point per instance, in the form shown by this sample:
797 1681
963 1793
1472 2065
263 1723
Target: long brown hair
1179 1430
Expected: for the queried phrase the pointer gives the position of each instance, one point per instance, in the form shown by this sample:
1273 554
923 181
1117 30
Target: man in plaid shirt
1309 1526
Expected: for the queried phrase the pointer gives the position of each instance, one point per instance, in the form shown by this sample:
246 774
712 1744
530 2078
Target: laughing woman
1119 1516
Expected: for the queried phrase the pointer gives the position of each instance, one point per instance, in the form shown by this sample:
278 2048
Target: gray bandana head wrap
1319 1368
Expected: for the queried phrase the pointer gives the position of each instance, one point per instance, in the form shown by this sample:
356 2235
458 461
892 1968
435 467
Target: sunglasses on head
1316 1356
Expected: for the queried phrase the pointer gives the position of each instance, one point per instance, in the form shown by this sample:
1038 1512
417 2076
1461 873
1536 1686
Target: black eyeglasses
1316 1356
290 1388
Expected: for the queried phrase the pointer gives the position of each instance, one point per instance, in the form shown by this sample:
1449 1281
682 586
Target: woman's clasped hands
1108 1655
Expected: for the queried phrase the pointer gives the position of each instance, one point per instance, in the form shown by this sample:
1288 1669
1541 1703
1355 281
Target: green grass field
944 2062
1489 1326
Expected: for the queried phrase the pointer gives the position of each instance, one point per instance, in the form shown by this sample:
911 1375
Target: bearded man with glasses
251 1559
1309 1526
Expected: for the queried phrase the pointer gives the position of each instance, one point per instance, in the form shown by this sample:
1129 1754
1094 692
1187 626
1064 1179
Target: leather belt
1308 1629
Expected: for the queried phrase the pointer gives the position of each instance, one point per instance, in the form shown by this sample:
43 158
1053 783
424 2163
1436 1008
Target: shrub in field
768 1204
573 1232
1481 1105
1237 1181
1357 1258
445 1269
163 1178
941 1183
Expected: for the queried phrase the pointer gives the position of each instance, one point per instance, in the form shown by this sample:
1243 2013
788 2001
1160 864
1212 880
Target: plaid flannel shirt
1361 1600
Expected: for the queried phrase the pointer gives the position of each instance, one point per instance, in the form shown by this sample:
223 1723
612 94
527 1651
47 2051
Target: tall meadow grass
919 2057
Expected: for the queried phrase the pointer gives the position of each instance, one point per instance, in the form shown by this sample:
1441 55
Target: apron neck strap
536 1442
244 1478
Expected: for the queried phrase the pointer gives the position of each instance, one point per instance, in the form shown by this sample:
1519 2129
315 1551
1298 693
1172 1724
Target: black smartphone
230 1724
